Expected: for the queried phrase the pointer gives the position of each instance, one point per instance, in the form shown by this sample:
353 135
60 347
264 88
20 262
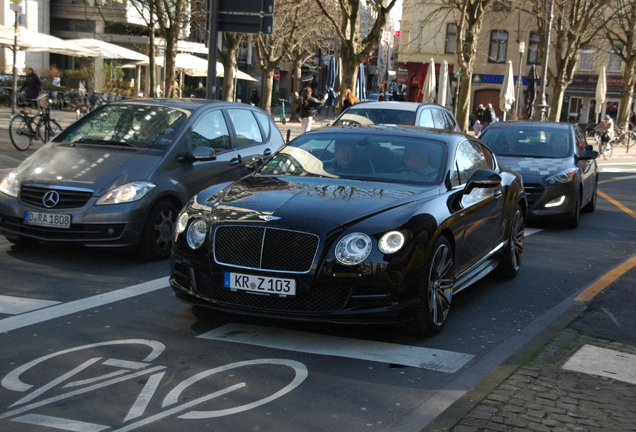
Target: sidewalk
579 374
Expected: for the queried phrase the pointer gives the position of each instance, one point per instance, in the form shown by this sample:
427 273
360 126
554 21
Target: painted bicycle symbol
81 380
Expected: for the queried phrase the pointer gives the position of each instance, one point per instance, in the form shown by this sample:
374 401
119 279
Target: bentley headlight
353 248
391 242
182 222
562 177
126 193
195 235
10 184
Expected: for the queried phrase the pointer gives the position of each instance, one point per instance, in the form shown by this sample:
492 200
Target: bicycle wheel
606 150
51 130
20 132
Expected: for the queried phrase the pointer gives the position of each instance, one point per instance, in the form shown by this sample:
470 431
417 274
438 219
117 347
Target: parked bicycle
24 128
625 135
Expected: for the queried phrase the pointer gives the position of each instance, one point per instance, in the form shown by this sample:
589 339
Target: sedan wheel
156 240
511 258
436 291
573 222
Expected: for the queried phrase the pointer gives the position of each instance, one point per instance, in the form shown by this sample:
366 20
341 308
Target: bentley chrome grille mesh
265 248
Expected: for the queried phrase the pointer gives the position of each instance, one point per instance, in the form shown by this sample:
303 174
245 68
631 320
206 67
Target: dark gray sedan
557 166
119 176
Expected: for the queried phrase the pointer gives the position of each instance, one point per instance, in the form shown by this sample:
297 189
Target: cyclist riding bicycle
606 128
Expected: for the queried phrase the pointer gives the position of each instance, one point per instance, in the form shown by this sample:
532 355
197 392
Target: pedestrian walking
32 85
489 116
348 98
255 99
308 107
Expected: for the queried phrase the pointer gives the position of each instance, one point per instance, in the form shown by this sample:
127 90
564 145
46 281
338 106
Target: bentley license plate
47 219
260 284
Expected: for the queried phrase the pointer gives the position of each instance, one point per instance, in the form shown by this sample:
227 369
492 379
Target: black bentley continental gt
365 224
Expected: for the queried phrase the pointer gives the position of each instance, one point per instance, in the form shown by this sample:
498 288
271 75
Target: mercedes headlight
126 193
10 184
391 242
196 232
353 248
562 177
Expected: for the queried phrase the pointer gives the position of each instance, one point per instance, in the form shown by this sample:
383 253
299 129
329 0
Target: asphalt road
93 340
107 347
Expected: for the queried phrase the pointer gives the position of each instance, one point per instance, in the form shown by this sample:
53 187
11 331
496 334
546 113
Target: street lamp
543 104
522 48
386 64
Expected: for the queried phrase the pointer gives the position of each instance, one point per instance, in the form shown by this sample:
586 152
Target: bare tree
621 34
232 42
355 46
577 24
292 25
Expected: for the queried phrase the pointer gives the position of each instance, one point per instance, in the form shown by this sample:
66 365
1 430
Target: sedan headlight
182 222
562 177
126 193
353 248
10 184
391 242
195 235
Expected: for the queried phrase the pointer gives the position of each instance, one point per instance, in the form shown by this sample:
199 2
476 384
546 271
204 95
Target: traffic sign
247 6
234 23
276 75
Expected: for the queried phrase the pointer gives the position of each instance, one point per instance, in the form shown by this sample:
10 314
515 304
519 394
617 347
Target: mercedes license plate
260 284
47 219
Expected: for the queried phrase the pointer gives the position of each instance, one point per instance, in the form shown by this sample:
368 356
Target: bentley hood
335 201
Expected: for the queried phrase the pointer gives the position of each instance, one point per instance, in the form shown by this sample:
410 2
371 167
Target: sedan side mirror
588 154
199 154
254 162
482 178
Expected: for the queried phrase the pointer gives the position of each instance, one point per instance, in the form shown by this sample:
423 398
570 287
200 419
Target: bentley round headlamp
353 248
182 222
196 232
391 242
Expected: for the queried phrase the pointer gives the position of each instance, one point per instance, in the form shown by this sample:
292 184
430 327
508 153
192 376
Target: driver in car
348 160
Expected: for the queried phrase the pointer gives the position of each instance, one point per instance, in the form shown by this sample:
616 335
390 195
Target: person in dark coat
488 116
255 99
32 84
309 107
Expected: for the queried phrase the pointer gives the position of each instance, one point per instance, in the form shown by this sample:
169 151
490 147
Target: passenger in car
416 158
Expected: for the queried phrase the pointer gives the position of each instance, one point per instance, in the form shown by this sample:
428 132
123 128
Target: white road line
60 423
18 305
291 340
27 319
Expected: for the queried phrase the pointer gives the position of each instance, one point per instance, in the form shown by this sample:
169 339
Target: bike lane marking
292 340
42 315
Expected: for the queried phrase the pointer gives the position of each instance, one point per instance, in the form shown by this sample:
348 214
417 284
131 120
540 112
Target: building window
614 62
451 39
586 59
533 49
498 46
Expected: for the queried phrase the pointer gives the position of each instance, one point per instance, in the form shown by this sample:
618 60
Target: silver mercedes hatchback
119 176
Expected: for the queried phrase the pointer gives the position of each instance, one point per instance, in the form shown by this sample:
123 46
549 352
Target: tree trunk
268 75
557 101
463 103
170 66
629 80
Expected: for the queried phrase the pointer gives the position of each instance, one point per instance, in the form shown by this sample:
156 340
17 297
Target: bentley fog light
195 235
353 248
182 222
391 242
